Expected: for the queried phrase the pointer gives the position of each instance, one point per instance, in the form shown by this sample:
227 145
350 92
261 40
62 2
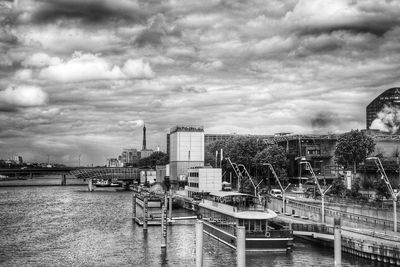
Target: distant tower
144 137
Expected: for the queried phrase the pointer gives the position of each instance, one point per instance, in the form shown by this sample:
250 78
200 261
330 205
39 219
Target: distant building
113 162
210 138
149 176
186 151
389 99
129 155
204 179
319 150
18 160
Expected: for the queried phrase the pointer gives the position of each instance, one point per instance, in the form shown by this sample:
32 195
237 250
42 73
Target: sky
82 77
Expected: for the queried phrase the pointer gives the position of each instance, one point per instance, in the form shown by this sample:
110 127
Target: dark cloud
89 11
375 28
323 120
190 89
156 31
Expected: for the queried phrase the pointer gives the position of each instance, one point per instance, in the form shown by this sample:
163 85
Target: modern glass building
390 97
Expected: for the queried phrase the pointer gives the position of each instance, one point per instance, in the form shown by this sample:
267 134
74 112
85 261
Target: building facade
186 150
319 150
210 138
129 156
203 179
389 98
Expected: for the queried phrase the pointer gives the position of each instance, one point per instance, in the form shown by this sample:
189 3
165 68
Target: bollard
241 246
164 223
199 243
90 185
145 212
337 242
63 180
170 205
134 206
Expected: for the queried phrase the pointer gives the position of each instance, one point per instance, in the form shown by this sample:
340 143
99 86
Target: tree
277 157
338 188
157 158
381 189
353 147
243 149
209 157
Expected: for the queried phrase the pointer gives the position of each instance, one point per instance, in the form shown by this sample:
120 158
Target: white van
276 193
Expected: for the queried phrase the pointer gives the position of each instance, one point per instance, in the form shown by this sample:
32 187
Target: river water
69 226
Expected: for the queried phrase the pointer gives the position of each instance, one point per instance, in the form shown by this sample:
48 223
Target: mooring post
145 212
164 223
337 242
170 206
63 179
90 185
134 206
199 243
241 246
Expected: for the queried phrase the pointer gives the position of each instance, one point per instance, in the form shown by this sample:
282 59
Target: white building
149 176
186 151
204 179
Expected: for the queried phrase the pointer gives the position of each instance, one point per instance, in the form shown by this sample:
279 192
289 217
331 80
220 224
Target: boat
107 183
223 211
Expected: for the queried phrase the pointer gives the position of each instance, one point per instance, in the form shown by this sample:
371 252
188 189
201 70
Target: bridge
126 175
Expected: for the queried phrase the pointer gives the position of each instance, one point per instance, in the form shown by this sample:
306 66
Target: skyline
81 78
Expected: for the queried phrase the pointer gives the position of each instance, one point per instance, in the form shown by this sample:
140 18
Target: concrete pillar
63 179
134 206
241 246
170 205
394 214
337 242
323 208
199 243
145 212
90 185
30 175
164 223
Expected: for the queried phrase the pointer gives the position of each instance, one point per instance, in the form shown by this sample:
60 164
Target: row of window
196 185
193 174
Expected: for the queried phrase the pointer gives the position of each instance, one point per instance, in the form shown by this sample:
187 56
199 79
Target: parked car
276 193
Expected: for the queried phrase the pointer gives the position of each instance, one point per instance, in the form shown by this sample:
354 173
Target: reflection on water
68 226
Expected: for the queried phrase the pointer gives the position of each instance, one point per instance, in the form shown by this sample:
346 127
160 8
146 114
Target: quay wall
351 215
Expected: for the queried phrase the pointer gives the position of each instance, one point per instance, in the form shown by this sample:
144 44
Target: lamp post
323 192
251 180
280 185
393 193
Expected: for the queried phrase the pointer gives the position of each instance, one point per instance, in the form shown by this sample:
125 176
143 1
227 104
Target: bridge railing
315 228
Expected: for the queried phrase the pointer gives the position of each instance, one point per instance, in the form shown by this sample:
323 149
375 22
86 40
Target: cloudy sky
81 77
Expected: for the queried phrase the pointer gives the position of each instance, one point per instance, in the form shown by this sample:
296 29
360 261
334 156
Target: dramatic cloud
40 60
100 68
86 67
23 96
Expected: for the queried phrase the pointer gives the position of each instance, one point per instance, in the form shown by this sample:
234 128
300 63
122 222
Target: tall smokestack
144 137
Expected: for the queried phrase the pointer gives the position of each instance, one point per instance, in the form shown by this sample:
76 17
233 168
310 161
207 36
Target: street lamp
323 192
280 185
251 180
390 188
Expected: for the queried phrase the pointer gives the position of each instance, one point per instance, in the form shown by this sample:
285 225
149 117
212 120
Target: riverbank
50 180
